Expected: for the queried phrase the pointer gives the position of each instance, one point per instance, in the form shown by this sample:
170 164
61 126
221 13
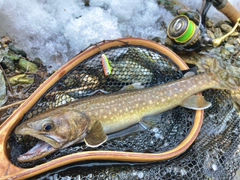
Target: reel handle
228 10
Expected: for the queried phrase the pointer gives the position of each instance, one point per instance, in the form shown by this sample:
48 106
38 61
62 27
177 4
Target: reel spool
185 31
182 30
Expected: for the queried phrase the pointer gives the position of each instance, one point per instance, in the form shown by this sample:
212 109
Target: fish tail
228 76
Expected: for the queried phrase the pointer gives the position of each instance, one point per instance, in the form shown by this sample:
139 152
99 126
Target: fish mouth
40 150
46 144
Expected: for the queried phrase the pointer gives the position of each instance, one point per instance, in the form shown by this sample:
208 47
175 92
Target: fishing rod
187 31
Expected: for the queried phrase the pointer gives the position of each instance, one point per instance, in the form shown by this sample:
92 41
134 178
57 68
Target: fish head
55 130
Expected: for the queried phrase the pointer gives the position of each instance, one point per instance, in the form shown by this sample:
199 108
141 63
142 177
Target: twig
11 105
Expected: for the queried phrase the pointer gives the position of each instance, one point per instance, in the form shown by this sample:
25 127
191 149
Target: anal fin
131 87
196 102
149 122
96 136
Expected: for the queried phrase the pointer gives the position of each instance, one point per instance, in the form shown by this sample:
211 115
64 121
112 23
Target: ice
55 31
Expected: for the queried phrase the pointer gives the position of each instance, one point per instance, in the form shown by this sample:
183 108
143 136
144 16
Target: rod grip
231 12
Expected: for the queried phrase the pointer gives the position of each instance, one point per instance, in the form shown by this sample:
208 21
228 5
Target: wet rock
237 63
218 33
8 64
219 23
156 39
226 28
209 24
210 34
233 41
3 90
12 56
38 61
230 47
235 34
27 66
18 51
225 53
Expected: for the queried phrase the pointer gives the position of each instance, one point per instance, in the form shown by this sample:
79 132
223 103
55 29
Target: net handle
9 170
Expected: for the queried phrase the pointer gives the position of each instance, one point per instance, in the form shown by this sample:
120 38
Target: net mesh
214 155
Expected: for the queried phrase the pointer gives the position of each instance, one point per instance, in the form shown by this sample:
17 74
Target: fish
92 119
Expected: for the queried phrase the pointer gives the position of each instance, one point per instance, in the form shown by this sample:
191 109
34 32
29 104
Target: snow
56 30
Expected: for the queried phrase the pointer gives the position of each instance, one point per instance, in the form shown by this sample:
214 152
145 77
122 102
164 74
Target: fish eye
48 126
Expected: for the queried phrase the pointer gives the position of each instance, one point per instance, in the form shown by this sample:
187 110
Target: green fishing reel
184 32
181 29
187 31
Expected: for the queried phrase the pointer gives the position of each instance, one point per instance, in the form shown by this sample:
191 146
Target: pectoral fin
96 135
196 102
